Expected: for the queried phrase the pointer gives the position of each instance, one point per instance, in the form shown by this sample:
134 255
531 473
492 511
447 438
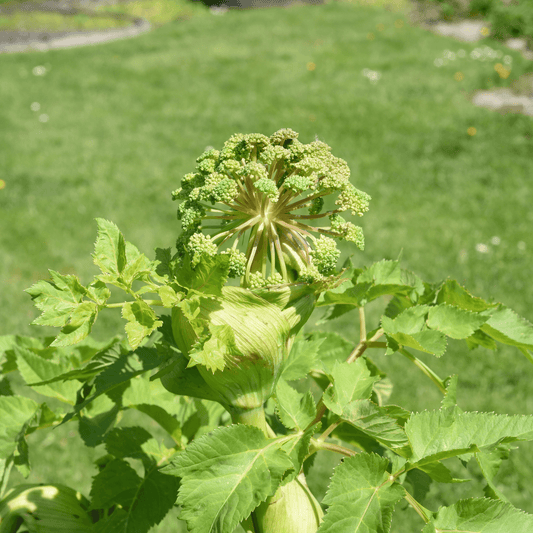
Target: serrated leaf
168 296
163 265
454 322
142 321
375 422
34 369
15 413
57 299
407 329
478 338
145 500
361 497
225 475
208 277
110 248
334 348
297 449
480 515
99 292
79 326
295 410
214 352
351 381
301 358
437 435
452 293
489 463
115 375
507 327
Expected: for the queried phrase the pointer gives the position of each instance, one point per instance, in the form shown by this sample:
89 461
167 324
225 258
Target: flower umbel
256 200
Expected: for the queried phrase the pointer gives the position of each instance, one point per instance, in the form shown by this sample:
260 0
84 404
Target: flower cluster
264 194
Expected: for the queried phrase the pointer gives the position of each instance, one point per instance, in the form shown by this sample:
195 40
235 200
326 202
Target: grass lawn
108 131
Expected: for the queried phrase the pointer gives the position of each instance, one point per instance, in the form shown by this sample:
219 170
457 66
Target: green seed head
261 199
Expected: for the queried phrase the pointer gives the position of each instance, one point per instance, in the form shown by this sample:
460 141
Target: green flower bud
292 509
44 509
239 343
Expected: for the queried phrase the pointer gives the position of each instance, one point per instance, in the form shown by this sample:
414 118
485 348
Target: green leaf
333 348
480 515
34 369
110 248
440 473
302 358
134 442
145 500
57 299
16 412
295 410
117 374
213 352
408 329
225 475
489 463
507 327
142 321
79 326
454 322
375 422
207 277
297 449
361 497
437 435
351 381
452 293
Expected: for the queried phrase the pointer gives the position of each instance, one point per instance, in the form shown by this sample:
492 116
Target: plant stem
251 417
157 303
359 350
362 325
333 448
417 507
527 354
429 373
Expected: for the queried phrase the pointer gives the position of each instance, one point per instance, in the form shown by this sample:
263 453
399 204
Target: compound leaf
351 381
454 322
361 497
16 412
480 515
79 326
225 475
507 327
142 321
375 422
295 410
437 435
110 248
57 299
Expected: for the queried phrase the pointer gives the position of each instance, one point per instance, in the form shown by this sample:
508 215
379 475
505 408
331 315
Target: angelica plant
246 397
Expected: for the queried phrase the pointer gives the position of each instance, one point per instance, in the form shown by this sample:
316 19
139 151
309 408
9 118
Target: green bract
262 194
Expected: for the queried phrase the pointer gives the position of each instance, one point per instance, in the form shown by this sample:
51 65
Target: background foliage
116 127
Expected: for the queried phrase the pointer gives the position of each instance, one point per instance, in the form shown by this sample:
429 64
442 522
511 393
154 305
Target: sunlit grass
56 22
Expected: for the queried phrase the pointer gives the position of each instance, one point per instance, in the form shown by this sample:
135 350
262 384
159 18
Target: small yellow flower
502 71
471 131
398 23
380 27
484 31
459 76
2 184
311 66
312 118
370 36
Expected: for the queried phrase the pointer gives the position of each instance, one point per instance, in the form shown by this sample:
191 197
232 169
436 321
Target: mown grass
157 12
118 125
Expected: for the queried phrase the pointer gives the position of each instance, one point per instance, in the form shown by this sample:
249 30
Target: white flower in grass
44 118
35 106
482 248
39 71
495 240
521 246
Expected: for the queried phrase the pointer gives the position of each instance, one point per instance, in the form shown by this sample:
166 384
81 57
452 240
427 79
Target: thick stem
251 417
